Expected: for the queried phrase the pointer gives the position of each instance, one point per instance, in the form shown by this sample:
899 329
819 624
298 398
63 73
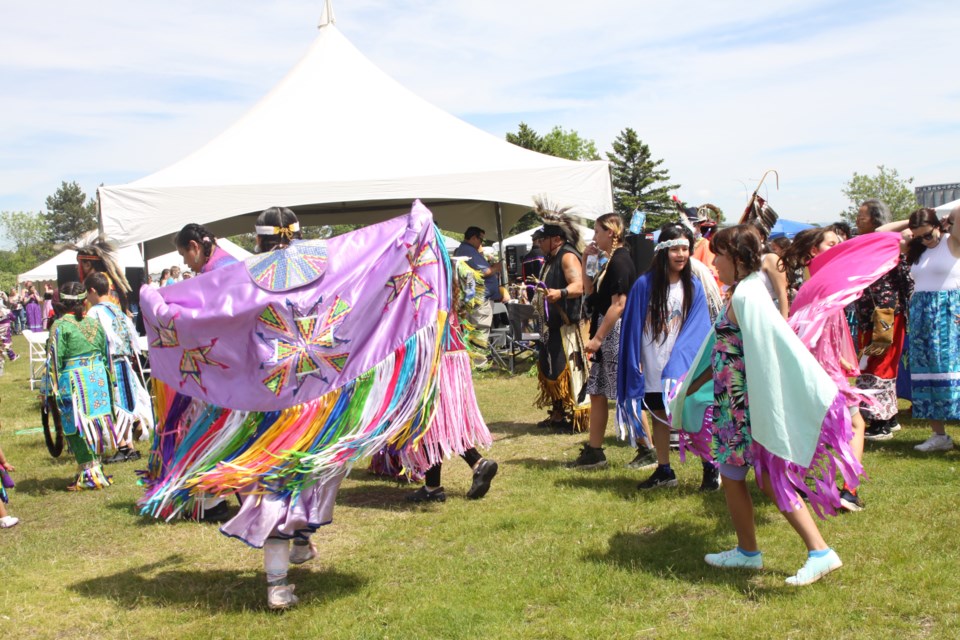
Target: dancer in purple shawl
307 358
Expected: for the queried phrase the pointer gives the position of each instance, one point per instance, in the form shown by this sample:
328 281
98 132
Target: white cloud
111 90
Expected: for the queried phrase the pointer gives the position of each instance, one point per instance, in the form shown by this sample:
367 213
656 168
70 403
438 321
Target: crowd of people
272 377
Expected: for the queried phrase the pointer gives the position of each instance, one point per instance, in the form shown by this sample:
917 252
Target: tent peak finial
326 16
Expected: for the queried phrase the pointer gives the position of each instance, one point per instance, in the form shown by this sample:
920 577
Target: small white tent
339 141
127 257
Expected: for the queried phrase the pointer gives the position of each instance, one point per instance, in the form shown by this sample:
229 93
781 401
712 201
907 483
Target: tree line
639 182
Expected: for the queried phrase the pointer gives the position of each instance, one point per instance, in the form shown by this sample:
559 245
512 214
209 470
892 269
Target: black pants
471 456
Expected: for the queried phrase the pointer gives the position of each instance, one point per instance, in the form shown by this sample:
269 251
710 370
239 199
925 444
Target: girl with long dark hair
664 322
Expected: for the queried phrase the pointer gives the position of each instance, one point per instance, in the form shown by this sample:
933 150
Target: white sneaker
815 568
8 521
303 553
936 442
281 597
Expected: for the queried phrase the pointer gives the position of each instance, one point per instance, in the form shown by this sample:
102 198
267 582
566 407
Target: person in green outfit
76 353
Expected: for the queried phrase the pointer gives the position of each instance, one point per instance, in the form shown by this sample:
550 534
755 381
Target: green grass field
549 553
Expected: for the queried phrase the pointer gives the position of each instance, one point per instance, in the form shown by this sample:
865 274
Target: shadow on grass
904 448
676 550
535 463
510 430
166 584
46 486
369 496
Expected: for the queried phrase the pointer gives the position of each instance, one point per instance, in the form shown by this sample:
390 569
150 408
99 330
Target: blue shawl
630 379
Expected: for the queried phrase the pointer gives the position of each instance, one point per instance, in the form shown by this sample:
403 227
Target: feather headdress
102 250
758 212
561 217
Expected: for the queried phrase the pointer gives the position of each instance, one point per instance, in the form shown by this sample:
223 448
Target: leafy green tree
640 182
69 214
559 143
569 145
886 185
24 228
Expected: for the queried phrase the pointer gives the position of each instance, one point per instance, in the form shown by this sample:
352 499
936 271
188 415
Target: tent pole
503 264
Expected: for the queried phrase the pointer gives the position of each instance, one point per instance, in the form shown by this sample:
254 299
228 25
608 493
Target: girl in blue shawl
664 322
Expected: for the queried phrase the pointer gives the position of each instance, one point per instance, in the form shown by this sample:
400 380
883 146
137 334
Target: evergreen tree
639 182
69 214
526 137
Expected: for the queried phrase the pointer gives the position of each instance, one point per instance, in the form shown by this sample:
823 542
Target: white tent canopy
947 207
339 141
127 257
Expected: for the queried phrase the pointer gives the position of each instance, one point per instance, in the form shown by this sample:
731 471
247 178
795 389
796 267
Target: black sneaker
850 501
711 478
422 495
131 455
660 478
589 458
483 473
645 459
119 456
216 514
878 431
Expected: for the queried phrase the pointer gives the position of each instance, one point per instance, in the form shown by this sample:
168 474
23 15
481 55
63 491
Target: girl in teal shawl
771 406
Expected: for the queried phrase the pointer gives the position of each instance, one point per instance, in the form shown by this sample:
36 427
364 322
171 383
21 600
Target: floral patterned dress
732 439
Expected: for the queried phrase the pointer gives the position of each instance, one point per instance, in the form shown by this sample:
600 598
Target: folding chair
37 343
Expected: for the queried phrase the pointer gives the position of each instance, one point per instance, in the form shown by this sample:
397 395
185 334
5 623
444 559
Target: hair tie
666 244
286 232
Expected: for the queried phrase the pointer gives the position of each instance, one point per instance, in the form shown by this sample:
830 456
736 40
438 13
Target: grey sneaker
936 442
303 552
645 459
281 597
589 458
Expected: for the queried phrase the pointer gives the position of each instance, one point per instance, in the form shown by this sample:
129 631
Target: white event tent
947 207
339 141
128 256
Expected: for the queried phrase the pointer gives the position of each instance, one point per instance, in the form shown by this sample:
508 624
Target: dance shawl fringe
283 452
91 477
457 425
561 390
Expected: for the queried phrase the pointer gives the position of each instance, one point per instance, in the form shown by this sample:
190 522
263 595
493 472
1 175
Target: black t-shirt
616 279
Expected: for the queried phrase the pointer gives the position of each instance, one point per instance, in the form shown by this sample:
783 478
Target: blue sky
108 91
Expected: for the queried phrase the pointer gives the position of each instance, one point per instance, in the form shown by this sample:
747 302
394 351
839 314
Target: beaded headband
79 296
666 244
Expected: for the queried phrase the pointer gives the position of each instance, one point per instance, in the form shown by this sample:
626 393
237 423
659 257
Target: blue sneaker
815 568
734 559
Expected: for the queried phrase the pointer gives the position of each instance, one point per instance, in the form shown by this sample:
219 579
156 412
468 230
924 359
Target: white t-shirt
654 355
937 269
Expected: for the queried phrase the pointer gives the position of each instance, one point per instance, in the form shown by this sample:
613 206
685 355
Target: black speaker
641 249
512 255
67 273
135 277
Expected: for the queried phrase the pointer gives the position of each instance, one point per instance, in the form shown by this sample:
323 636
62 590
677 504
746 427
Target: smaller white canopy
525 238
947 207
127 257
